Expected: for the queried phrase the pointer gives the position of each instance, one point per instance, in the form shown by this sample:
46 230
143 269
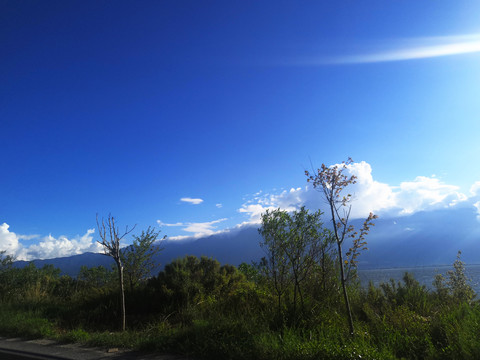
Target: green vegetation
201 308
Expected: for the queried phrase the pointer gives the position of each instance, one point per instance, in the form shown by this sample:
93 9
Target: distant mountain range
424 238
421 239
231 247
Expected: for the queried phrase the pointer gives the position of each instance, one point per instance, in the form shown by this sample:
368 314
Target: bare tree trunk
344 287
111 245
122 293
295 303
324 272
342 272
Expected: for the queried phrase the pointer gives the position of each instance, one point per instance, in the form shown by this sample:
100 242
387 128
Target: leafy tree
407 292
293 244
441 288
458 281
6 261
456 285
250 271
6 278
189 281
274 231
306 240
110 240
31 283
138 258
96 277
332 182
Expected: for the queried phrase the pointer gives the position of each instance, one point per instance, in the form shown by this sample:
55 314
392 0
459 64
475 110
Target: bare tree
110 235
331 182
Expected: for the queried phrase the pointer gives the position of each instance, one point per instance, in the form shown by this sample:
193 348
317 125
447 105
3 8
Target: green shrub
27 324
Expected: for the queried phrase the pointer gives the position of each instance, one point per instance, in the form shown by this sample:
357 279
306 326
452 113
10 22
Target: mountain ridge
422 239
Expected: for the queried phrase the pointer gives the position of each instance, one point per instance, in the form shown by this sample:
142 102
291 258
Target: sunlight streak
410 49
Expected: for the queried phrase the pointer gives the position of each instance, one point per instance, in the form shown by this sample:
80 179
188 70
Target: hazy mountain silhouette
424 238
71 265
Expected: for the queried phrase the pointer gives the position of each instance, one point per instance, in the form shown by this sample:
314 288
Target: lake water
425 275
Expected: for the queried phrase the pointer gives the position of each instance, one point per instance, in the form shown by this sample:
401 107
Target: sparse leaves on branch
138 259
332 181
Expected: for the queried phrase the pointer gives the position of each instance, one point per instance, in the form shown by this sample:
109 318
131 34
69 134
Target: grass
218 339
450 336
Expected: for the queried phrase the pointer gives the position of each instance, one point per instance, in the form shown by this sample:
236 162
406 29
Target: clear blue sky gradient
128 106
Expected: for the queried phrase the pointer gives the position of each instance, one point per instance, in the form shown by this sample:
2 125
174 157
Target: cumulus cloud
475 189
51 247
421 194
475 193
426 193
191 200
198 229
48 246
8 240
218 205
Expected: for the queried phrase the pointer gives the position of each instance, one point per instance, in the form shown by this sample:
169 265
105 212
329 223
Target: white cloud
161 223
51 247
28 237
477 206
426 193
404 49
421 194
475 196
289 200
48 247
191 200
202 228
8 240
255 211
475 189
199 229
218 205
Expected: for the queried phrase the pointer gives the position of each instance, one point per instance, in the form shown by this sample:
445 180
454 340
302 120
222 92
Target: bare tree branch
111 247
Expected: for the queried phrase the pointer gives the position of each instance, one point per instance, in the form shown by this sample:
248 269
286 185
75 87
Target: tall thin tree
331 181
110 240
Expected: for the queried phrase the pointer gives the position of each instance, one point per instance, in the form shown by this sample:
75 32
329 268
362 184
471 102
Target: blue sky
129 107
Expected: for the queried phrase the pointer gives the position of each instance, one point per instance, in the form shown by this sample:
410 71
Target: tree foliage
455 286
138 259
296 246
95 277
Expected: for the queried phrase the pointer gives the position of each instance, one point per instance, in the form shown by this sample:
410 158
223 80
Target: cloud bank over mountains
421 194
409 197
198 229
47 247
